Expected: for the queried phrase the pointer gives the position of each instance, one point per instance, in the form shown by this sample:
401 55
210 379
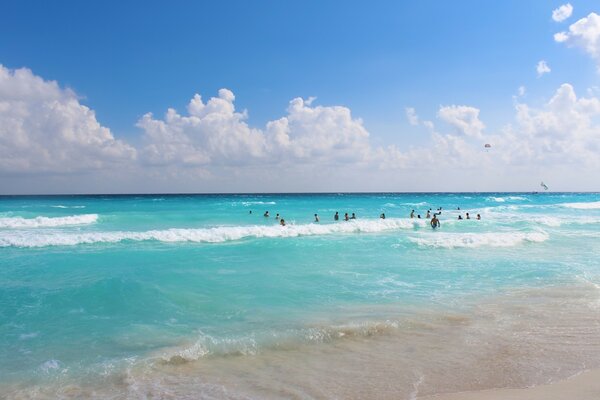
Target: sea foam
43 222
205 235
583 206
503 239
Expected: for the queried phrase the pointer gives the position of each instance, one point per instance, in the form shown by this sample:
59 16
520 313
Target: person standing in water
478 216
266 214
382 216
336 217
282 222
435 222
428 214
412 214
316 218
277 216
346 218
353 216
468 216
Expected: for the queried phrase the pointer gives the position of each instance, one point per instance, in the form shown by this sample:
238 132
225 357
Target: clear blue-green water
101 286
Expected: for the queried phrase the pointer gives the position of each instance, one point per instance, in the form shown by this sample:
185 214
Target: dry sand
585 386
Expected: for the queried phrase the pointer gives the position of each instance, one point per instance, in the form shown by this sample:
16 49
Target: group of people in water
434 222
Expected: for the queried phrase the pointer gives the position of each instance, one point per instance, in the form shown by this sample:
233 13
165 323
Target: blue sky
125 59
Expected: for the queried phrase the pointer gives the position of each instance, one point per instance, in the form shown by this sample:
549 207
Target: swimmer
419 216
460 216
382 216
266 214
277 216
346 218
468 216
353 216
336 217
428 214
478 216
412 214
316 218
282 222
250 212
435 222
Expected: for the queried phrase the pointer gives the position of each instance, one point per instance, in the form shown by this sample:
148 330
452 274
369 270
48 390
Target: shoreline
582 386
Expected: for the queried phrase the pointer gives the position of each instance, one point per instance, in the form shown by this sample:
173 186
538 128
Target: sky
313 96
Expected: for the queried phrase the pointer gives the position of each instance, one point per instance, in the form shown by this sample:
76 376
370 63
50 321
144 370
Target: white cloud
215 134
412 116
542 68
585 34
464 118
211 133
563 12
521 91
318 134
44 128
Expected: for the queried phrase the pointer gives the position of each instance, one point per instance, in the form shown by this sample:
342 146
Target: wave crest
583 206
47 222
506 239
207 235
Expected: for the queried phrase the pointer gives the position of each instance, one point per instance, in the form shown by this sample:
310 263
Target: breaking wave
48 222
204 235
453 240
583 206
503 199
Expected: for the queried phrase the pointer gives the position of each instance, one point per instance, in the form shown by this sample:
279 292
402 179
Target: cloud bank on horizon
47 135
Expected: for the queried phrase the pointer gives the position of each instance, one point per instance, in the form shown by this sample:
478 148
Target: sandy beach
585 386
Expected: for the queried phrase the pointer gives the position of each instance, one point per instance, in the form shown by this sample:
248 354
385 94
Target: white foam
43 222
251 203
61 206
503 199
583 206
501 239
204 235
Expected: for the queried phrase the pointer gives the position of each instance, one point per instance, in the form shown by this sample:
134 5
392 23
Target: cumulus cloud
44 128
211 133
563 12
542 68
521 91
214 133
318 133
585 34
464 118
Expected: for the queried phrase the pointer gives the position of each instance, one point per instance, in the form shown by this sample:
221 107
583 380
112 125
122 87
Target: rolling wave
47 222
204 235
504 239
583 206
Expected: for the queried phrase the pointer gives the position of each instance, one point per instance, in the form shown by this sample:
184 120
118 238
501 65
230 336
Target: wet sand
585 386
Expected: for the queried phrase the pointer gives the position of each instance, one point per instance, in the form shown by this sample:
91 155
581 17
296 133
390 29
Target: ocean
201 296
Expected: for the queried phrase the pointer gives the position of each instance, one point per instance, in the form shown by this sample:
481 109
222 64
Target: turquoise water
92 286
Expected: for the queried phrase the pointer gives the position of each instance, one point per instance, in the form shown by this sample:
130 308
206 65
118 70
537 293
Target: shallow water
193 296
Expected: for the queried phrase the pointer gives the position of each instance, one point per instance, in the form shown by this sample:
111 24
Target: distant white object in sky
542 68
563 12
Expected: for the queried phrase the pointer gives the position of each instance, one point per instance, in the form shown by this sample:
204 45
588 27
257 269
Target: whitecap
583 206
205 235
502 239
43 222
